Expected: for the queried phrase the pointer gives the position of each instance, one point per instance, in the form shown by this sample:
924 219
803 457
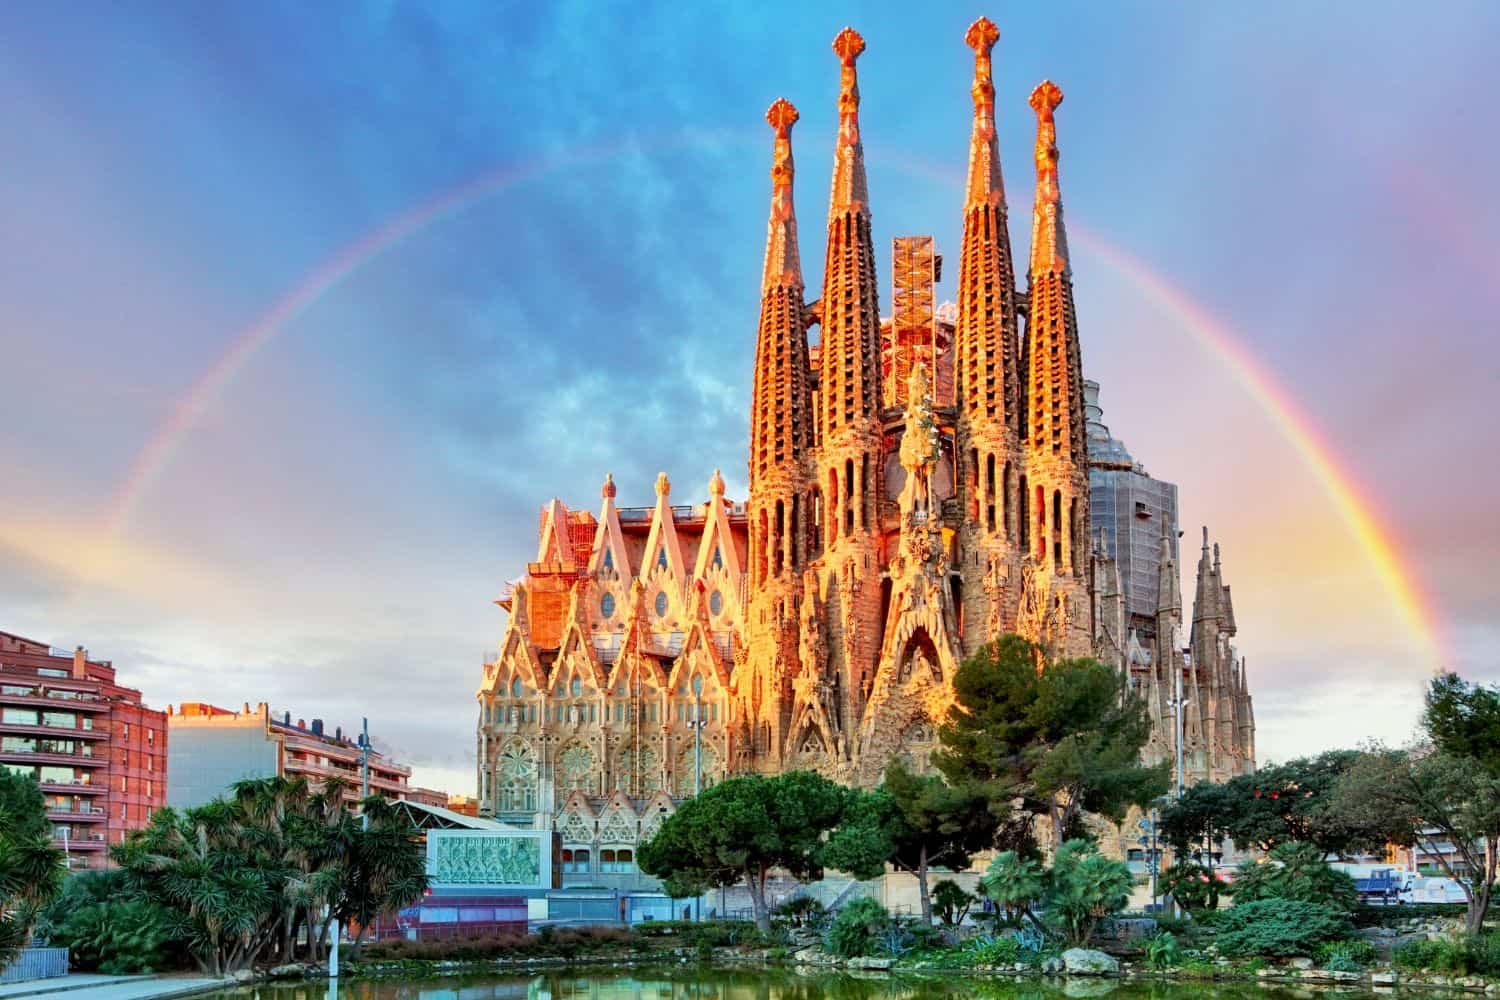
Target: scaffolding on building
916 268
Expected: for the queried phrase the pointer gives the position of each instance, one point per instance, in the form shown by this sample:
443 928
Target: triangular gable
657 808
717 556
577 648
553 546
609 553
663 552
699 644
637 639
515 654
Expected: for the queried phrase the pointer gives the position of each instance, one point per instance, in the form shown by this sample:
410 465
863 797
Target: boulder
871 964
1300 963
1052 966
1382 979
1087 962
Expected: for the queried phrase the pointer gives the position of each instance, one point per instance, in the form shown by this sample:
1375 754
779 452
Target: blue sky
331 531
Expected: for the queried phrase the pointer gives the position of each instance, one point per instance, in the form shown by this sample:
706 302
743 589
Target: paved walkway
87 986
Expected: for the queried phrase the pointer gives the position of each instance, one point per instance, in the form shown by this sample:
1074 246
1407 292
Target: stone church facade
917 486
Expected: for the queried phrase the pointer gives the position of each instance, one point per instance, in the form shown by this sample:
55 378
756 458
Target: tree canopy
31 868
914 822
742 828
242 875
1055 742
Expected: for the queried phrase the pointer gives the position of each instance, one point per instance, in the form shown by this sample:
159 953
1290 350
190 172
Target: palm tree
31 868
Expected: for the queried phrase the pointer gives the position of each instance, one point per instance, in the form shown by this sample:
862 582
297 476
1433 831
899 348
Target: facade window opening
609 559
661 557
516 688
576 687
716 603
661 604
607 605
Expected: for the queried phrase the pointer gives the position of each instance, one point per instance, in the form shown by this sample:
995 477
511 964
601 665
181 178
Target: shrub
1161 950
1349 955
1440 954
951 903
1280 928
1014 884
858 929
1295 871
108 932
567 942
992 951
1085 888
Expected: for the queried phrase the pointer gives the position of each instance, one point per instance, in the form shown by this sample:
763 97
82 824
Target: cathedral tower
1054 505
780 514
986 374
849 431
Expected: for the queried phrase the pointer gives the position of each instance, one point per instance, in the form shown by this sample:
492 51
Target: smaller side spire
783 262
1049 243
850 188
985 186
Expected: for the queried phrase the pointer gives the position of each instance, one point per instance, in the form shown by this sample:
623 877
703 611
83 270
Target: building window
51 672
607 605
517 779
617 860
127 730
151 737
716 603
575 860
661 604
517 688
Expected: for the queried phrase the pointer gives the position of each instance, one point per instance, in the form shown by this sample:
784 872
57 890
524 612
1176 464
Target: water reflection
777 984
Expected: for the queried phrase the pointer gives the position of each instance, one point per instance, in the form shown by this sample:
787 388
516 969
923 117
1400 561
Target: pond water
695 983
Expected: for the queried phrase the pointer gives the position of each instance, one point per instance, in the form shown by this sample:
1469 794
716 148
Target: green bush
1349 955
1366 915
802 911
1280 928
566 942
1193 886
106 931
1295 871
858 929
1479 955
1084 888
992 951
1161 950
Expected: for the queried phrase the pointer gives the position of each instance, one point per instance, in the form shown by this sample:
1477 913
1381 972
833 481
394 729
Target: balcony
28 756
52 732
82 814
81 841
83 702
75 787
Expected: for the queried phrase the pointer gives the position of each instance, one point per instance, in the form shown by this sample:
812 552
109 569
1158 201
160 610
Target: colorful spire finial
783 263
1049 244
981 37
850 192
716 484
607 491
663 485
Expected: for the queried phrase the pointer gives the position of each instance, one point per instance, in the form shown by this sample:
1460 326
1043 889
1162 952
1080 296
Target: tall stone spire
780 432
850 435
1049 244
780 508
988 387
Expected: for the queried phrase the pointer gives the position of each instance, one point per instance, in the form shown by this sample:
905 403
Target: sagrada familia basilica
917 486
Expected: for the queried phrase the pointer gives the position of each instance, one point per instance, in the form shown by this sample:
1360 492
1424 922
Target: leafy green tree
242 875
1295 871
951 903
31 868
1084 888
1056 742
916 822
743 828
1444 803
1202 816
1295 802
383 869
1193 886
1463 720
1015 883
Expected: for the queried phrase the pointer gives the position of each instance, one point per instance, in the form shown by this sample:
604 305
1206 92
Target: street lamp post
697 724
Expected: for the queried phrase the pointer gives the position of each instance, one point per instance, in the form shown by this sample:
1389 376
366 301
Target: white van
1433 890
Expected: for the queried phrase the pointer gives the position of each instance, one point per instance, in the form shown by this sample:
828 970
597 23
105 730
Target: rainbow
1224 344
158 452
1220 340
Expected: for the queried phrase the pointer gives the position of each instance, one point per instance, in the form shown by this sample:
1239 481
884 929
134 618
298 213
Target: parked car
1433 890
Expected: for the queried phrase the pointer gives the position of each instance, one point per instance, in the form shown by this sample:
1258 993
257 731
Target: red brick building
99 754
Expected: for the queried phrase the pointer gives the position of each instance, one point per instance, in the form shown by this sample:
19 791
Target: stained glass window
517 778
716 603
661 604
607 605
575 767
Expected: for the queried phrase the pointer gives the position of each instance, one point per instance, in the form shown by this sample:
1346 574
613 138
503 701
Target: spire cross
981 37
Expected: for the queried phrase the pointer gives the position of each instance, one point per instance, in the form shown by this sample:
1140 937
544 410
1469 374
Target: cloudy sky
307 309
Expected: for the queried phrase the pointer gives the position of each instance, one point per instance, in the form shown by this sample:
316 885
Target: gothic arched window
575 768
517 784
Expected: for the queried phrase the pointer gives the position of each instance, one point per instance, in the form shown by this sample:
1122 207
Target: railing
36 963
